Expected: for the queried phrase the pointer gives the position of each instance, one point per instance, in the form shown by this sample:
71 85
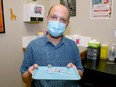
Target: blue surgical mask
56 28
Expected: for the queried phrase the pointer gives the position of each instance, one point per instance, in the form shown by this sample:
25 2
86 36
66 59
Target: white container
33 12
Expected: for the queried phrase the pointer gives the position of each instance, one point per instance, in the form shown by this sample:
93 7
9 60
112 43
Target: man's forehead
59 7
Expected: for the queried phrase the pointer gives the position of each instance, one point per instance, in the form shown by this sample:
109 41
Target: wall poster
2 25
101 9
71 4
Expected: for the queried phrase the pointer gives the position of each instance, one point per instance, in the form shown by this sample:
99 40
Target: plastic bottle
104 51
112 54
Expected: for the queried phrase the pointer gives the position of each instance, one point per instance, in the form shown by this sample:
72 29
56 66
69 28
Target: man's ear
67 23
47 19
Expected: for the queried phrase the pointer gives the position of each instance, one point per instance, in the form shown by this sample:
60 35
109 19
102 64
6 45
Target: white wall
11 53
100 29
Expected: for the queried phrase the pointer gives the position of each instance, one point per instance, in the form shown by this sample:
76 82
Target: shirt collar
46 40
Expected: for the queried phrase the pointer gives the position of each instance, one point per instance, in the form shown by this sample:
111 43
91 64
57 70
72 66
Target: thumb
31 69
35 66
71 65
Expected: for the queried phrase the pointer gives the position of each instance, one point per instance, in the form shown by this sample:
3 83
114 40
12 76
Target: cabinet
98 74
33 12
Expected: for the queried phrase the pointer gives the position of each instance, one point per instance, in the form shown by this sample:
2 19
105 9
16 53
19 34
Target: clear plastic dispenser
112 53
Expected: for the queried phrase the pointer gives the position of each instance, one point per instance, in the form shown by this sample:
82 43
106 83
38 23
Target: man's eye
63 20
53 17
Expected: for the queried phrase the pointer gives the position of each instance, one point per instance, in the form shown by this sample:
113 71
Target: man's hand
27 76
31 69
71 65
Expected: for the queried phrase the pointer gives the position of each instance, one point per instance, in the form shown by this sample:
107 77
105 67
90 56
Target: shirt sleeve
27 61
77 57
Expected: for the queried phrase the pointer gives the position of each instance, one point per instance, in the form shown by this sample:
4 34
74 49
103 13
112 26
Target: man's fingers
35 66
70 65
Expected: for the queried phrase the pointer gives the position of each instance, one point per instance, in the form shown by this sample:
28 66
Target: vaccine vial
49 68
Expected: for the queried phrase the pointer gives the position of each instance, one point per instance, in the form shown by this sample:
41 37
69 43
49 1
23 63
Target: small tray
55 73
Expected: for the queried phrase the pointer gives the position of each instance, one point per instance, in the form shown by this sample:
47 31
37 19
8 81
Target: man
52 49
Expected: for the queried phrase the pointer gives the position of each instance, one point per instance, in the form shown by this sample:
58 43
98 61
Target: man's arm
27 75
80 73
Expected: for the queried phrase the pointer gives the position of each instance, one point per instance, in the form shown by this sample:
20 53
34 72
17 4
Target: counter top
83 51
101 66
